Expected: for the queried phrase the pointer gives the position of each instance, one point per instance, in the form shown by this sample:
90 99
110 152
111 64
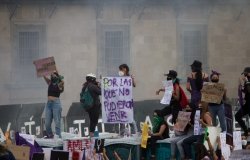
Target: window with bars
113 48
29 45
192 46
28 48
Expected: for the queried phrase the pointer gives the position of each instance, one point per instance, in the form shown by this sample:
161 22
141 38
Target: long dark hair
198 78
124 66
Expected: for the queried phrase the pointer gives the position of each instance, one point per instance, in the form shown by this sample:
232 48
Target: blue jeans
53 110
218 110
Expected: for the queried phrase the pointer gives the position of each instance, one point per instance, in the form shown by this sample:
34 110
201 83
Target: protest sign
182 120
197 126
19 152
229 123
237 140
168 86
214 133
77 145
117 100
212 92
45 66
144 138
225 148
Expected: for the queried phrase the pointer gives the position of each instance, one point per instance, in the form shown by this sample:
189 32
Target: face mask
121 73
215 80
54 79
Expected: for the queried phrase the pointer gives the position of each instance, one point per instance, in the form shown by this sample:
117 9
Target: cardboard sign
237 140
20 152
117 100
182 120
99 145
212 92
45 66
168 85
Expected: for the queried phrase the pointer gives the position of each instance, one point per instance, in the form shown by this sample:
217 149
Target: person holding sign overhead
53 108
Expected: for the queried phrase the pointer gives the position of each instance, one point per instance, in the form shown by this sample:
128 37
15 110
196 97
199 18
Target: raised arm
133 81
160 90
47 80
61 86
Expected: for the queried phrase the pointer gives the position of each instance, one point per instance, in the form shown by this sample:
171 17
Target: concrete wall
71 37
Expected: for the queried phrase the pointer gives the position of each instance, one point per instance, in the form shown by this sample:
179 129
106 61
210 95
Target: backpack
86 99
183 98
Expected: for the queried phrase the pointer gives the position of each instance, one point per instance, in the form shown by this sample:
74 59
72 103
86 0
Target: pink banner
45 66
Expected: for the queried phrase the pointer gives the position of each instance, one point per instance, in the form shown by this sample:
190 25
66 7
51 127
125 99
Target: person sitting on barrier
206 121
178 138
174 107
53 108
245 109
159 131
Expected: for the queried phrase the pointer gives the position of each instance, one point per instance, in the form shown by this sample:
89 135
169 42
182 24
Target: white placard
168 85
237 140
38 130
117 100
197 126
225 148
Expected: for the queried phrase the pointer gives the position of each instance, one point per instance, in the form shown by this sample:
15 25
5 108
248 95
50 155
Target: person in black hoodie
94 111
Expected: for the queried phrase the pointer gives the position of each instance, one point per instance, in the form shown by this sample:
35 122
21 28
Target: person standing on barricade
124 71
218 109
90 101
177 97
53 108
245 109
195 83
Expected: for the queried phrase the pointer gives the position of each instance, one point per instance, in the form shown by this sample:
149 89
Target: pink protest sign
45 66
